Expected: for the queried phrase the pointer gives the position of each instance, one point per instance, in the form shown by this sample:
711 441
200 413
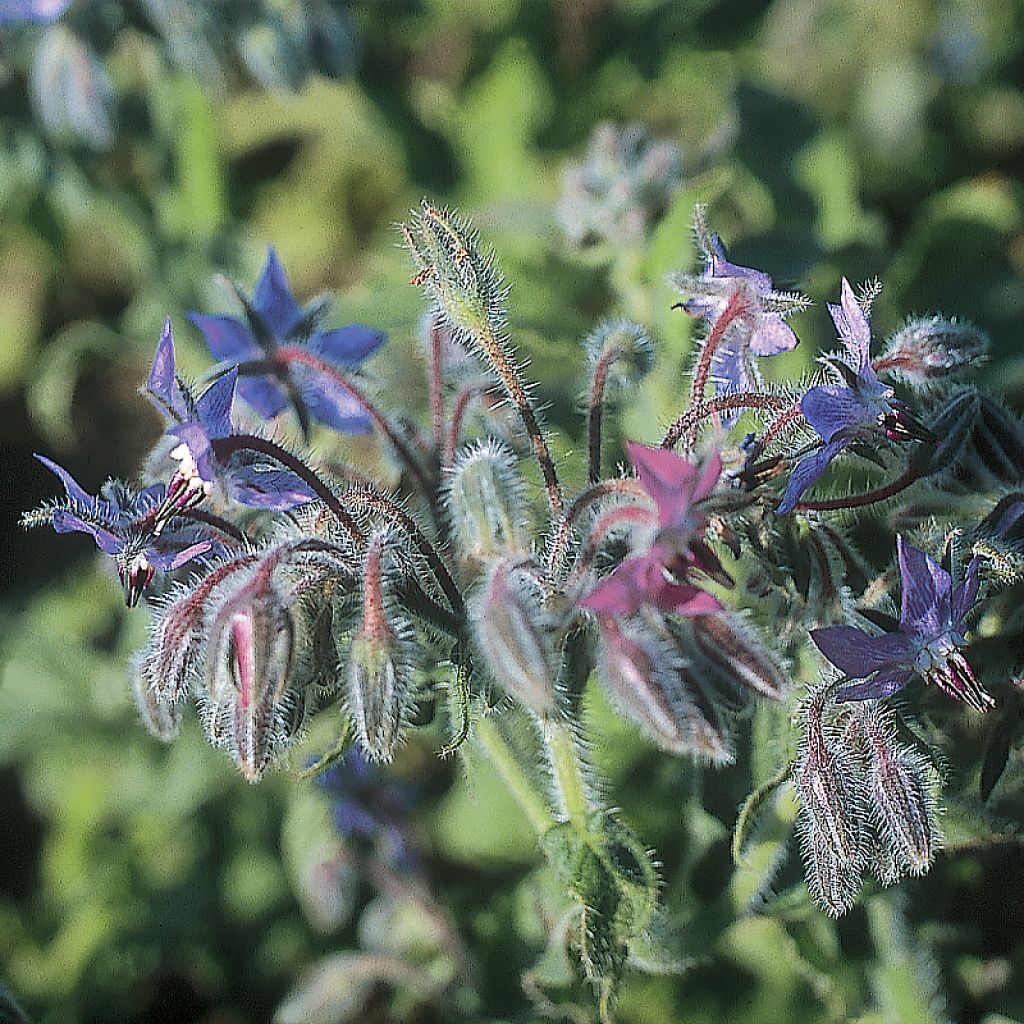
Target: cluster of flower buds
685 587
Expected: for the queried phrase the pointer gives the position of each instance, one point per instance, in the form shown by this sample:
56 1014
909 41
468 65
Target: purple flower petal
67 522
925 604
622 592
265 487
195 437
214 404
807 471
857 654
966 594
667 477
684 599
228 339
273 298
719 266
853 328
162 384
830 408
71 487
333 406
885 684
263 394
174 559
41 11
771 336
346 346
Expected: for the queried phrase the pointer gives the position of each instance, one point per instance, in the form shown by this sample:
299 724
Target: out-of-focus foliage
147 147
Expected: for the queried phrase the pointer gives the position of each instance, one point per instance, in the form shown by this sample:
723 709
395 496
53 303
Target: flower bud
624 349
456 275
899 784
650 684
485 502
513 633
250 706
379 666
161 717
831 822
737 651
927 351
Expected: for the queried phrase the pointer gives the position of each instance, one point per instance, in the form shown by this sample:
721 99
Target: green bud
485 502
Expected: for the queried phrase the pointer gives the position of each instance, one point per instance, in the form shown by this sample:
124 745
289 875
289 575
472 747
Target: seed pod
379 666
514 634
485 502
650 684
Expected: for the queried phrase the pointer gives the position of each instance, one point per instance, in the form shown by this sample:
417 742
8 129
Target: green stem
493 744
567 772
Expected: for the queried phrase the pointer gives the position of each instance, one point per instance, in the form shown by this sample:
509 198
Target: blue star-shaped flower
196 423
125 525
758 329
928 641
269 383
838 412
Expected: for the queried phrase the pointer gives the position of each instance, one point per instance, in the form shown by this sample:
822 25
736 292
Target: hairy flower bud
455 273
249 705
927 351
514 635
485 502
622 351
736 649
649 682
379 666
161 717
900 784
832 819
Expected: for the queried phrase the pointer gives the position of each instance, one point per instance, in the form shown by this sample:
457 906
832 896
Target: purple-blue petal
162 383
807 470
966 594
853 328
40 11
228 338
771 336
273 298
197 440
830 408
721 267
925 604
175 558
67 522
333 406
214 405
885 684
264 487
858 654
346 346
263 394
71 487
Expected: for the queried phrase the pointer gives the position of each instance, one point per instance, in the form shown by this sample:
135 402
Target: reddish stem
777 425
436 382
462 400
608 520
691 419
737 307
901 483
597 409
296 354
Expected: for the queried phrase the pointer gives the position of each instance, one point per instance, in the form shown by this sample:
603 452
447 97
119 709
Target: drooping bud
832 819
514 634
249 704
735 649
160 716
900 784
927 351
379 667
485 502
455 273
622 352
650 683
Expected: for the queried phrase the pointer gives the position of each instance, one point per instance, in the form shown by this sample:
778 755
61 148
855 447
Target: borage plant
688 588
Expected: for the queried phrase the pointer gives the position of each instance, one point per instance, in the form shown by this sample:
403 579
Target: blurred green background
143 883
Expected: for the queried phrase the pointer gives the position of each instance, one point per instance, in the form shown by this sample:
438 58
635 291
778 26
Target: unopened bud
622 351
513 632
161 717
926 351
250 707
899 787
379 667
650 684
831 823
455 274
485 502
735 649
